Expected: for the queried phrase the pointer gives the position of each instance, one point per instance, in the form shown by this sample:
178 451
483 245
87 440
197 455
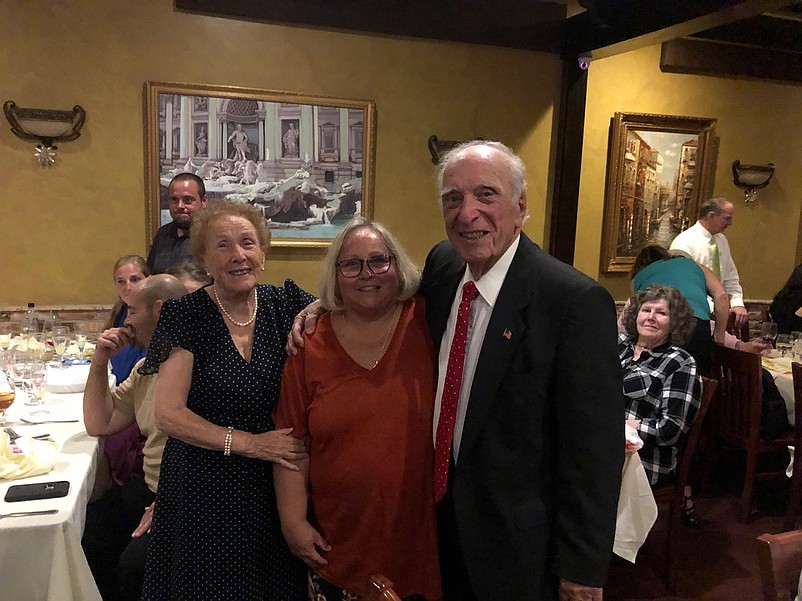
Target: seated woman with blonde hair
361 393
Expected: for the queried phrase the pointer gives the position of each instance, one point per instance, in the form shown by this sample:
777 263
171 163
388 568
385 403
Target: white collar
489 285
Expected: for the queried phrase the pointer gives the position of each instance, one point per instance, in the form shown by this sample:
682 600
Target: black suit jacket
536 484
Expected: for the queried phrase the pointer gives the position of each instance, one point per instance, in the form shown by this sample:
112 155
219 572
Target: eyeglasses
351 268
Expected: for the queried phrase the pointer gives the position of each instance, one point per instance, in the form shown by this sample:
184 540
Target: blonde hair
119 304
407 272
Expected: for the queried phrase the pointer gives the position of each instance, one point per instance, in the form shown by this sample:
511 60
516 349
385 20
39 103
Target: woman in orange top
361 394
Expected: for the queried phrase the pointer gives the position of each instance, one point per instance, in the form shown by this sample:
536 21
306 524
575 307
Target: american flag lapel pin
507 334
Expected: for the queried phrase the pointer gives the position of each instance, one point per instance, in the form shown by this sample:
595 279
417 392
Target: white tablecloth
41 556
637 510
780 370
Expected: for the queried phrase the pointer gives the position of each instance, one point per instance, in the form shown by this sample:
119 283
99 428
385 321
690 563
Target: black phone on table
40 490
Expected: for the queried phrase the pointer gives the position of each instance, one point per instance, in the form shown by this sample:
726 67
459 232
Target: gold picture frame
308 162
659 170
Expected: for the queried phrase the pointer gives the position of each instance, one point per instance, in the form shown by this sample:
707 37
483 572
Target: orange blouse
371 457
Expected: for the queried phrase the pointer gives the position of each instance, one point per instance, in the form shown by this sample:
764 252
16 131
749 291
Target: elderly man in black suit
529 411
529 414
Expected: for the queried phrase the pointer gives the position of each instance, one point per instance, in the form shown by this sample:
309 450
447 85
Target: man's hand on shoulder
571 591
112 341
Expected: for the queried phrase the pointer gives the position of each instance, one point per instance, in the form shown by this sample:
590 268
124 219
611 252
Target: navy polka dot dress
216 531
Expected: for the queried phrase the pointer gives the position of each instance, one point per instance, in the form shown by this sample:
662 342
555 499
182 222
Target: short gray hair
714 205
407 272
516 165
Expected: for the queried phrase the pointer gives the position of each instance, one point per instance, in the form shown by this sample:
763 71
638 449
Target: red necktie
451 386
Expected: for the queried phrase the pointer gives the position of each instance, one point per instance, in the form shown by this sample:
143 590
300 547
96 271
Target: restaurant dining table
637 510
40 555
780 370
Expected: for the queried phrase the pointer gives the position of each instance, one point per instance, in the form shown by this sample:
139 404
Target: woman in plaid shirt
662 387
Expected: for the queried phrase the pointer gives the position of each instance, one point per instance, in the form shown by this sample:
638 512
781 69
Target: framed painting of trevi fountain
306 162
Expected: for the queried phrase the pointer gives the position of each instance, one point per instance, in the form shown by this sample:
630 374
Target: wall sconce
45 125
751 178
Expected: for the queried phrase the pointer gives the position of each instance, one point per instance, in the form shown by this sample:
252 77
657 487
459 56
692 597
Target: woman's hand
146 522
277 446
304 542
305 321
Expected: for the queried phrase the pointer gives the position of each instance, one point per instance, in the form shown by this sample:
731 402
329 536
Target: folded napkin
72 379
637 510
37 457
779 365
633 441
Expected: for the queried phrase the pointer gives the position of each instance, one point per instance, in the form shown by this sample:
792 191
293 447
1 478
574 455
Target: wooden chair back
381 589
709 386
674 493
736 418
780 561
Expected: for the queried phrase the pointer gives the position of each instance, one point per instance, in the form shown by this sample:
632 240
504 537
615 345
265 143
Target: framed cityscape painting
660 168
306 162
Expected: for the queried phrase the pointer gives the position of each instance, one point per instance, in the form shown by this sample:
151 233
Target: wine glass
796 345
35 384
6 400
784 344
18 367
61 339
768 331
80 342
5 341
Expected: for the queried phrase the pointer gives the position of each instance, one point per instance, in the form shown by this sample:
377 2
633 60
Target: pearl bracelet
227 442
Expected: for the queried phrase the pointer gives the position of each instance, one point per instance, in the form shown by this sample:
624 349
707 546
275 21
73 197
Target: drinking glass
768 331
796 345
784 344
5 335
19 367
35 385
61 339
7 396
5 342
80 342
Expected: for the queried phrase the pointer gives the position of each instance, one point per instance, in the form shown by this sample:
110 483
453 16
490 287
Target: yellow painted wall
63 227
757 123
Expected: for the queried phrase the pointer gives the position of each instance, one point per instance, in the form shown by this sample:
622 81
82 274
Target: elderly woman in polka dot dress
361 392
219 356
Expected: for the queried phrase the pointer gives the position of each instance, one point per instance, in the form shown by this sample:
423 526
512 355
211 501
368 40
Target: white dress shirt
489 286
696 242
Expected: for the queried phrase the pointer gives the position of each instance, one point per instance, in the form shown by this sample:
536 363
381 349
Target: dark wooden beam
609 28
764 31
529 24
568 166
701 57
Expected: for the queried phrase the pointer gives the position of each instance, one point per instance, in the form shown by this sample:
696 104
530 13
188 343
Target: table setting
45 448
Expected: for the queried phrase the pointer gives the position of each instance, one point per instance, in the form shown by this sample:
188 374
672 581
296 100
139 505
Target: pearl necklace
241 324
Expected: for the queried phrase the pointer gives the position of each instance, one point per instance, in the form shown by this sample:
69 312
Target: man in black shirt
187 196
